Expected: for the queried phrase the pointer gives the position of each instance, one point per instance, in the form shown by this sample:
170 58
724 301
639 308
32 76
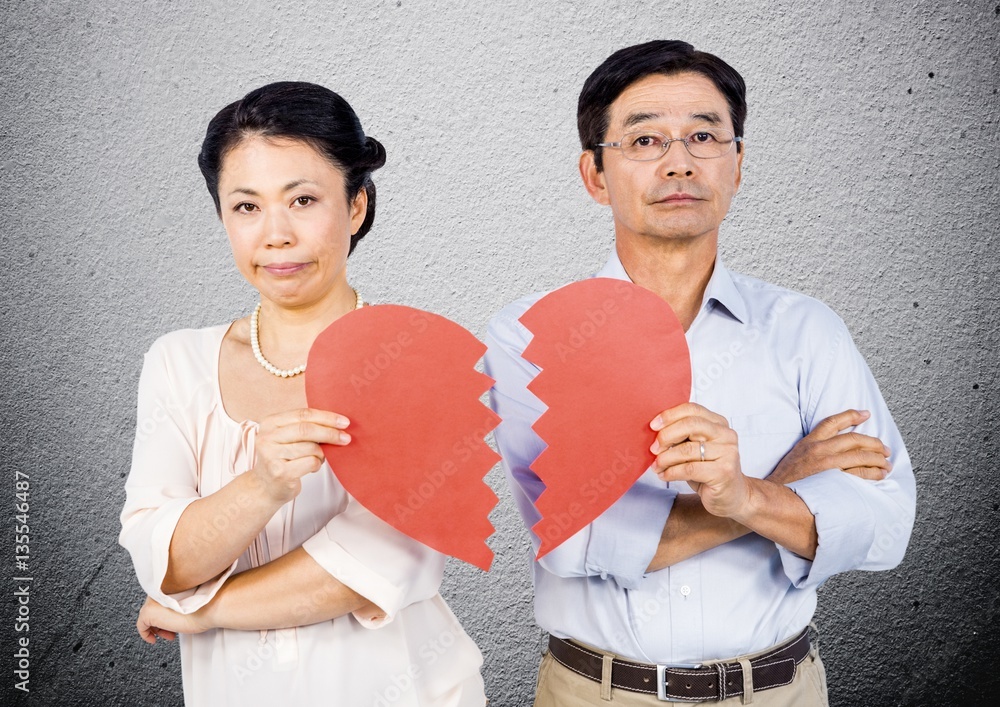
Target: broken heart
612 355
406 379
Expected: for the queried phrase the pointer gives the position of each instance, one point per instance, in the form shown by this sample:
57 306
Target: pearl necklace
255 343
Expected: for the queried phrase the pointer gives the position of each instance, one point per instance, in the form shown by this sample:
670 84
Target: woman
283 588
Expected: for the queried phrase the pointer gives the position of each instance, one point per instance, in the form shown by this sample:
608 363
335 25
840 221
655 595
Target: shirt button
685 590
604 575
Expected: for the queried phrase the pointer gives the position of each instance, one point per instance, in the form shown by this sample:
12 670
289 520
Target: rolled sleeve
162 483
624 539
146 534
378 562
860 524
845 527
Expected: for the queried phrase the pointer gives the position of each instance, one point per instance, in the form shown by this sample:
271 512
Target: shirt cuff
845 527
190 600
624 539
388 594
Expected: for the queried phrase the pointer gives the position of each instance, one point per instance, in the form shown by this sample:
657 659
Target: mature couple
698 585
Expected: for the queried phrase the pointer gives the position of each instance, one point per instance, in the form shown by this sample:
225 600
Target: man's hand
696 445
828 447
157 621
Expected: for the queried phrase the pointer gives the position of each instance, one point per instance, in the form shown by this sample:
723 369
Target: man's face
676 196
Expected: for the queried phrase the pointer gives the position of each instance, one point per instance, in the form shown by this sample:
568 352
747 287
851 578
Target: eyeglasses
646 145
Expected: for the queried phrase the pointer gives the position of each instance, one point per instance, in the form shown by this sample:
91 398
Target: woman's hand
826 448
157 621
288 448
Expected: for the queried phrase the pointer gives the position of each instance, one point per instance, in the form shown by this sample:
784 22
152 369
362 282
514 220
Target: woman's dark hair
631 64
298 111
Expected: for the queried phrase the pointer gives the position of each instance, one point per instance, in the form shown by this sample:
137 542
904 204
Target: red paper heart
613 355
406 380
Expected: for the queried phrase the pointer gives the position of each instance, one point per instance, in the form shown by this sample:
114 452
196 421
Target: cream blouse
187 447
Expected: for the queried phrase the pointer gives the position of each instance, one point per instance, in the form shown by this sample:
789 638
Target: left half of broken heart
406 380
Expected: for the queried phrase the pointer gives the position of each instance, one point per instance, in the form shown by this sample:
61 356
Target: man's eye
702 137
646 141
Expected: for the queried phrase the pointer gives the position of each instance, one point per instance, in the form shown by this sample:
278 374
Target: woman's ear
359 208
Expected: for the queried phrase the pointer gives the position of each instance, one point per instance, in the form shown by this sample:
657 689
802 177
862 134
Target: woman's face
288 220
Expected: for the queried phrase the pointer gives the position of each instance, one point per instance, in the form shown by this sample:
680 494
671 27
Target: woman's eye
244 208
304 200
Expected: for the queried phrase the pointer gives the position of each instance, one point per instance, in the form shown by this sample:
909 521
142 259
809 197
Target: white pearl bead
255 343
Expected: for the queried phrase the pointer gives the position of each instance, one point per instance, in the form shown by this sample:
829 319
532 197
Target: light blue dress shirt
774 363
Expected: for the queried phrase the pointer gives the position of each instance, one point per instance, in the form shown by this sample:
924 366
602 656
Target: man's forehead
684 96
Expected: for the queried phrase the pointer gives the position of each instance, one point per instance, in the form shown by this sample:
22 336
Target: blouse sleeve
377 561
163 479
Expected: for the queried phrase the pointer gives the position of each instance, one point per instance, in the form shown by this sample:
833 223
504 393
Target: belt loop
747 680
813 639
720 669
606 666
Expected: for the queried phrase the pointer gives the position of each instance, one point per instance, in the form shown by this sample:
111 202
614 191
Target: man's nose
676 161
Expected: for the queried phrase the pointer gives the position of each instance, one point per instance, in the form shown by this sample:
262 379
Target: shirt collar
721 288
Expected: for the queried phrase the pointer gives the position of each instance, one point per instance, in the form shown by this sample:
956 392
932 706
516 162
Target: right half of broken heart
612 356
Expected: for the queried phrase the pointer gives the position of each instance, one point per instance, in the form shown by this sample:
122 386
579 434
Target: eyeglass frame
667 142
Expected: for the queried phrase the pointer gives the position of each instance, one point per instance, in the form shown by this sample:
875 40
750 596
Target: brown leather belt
716 681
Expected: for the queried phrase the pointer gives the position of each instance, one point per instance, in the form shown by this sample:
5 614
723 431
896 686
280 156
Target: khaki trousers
558 686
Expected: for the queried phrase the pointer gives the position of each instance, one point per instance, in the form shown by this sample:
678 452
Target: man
700 582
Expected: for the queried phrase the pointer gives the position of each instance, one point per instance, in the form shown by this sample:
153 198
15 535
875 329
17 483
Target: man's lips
284 268
679 198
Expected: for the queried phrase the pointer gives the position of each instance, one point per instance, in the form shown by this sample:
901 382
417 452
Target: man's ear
592 179
739 165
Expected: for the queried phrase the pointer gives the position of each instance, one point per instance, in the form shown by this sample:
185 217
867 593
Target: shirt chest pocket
765 438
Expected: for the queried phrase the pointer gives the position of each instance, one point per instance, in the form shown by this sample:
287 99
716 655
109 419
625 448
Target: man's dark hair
631 64
298 111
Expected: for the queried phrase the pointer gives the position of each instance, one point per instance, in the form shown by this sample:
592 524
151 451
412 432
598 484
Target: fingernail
865 414
344 438
888 466
887 450
655 449
343 422
656 424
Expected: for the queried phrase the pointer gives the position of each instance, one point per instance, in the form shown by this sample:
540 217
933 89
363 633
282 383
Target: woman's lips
284 268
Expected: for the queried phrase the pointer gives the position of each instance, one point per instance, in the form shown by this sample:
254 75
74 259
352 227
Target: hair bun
375 153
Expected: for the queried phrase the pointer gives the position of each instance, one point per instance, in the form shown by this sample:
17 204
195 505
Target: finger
690 451
146 632
165 634
297 468
867 472
847 441
313 415
834 424
307 431
298 450
856 458
700 429
692 472
668 417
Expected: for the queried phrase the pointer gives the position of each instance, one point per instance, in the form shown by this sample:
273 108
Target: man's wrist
748 510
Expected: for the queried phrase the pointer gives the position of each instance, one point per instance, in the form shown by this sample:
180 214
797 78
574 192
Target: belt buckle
661 681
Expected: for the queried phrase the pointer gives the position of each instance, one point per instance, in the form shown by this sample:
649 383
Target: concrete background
871 182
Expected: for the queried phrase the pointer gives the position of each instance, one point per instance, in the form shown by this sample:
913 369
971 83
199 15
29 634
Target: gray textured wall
871 182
